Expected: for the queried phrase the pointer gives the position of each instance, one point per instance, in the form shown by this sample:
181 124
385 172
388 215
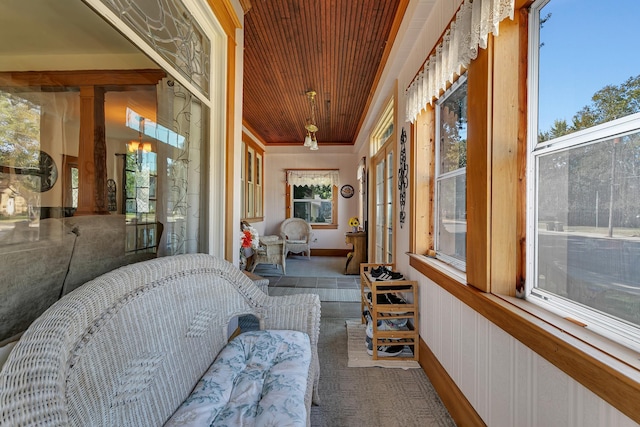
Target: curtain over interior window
312 177
475 20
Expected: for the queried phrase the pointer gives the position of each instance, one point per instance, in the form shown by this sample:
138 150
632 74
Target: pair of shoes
384 350
394 288
384 325
380 299
388 298
389 275
390 324
378 271
395 299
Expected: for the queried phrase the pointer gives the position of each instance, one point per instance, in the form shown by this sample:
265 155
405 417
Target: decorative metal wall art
403 177
172 31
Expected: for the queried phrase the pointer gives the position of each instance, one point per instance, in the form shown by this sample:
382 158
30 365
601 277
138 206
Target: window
584 168
140 192
313 196
313 203
382 143
70 166
251 180
42 125
451 165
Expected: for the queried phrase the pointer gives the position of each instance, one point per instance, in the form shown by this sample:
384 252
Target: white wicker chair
296 234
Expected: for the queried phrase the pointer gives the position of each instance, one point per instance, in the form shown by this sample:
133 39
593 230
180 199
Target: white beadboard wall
507 383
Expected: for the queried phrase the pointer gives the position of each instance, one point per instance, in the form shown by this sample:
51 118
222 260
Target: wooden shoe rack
409 310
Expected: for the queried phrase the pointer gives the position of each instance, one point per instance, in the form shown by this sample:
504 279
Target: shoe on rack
400 323
389 275
384 350
394 287
378 271
394 299
384 325
381 299
387 299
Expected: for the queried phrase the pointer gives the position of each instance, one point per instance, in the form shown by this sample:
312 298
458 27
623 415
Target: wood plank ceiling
333 47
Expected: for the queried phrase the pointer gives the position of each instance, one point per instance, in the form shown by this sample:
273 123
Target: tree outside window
313 203
451 206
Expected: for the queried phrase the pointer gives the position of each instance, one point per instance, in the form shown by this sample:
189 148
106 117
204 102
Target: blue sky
588 44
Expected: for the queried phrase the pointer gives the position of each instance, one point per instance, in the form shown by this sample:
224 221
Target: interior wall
278 159
506 383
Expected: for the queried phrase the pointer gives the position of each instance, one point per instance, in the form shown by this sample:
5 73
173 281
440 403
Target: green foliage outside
588 183
304 208
19 131
609 103
20 140
323 192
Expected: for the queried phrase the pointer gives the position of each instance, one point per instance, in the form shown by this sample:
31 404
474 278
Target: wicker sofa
129 347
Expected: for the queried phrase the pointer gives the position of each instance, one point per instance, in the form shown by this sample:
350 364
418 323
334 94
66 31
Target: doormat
359 358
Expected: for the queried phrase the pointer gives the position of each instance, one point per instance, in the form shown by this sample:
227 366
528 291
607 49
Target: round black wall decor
347 191
48 172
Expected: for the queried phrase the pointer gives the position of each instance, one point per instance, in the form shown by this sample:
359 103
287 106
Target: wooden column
92 163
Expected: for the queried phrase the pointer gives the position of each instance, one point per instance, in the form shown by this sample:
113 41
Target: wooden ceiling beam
81 78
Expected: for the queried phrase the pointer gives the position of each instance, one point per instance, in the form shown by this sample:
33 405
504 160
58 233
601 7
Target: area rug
371 397
301 266
359 358
326 294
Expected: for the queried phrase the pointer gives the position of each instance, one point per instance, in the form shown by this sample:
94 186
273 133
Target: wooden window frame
68 164
334 204
258 196
381 145
438 177
389 245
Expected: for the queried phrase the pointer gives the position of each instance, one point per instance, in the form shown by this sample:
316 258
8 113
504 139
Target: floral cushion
258 379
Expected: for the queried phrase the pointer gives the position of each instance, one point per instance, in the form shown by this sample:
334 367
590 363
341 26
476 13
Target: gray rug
372 397
300 266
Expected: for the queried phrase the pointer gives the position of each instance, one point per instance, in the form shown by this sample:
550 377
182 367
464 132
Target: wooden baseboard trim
329 252
457 404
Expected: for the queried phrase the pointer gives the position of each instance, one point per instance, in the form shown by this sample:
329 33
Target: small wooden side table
359 253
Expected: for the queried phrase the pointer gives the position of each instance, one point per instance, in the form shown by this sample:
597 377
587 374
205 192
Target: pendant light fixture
310 139
138 146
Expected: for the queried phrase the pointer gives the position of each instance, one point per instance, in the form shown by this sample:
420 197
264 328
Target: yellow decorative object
354 222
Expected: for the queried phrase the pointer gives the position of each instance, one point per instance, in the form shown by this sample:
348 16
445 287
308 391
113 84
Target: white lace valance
473 23
312 177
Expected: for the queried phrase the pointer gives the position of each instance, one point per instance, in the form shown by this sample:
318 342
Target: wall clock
346 191
48 172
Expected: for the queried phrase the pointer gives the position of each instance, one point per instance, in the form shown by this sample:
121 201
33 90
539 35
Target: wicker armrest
299 312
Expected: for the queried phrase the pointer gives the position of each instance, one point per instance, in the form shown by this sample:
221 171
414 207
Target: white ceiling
51 27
